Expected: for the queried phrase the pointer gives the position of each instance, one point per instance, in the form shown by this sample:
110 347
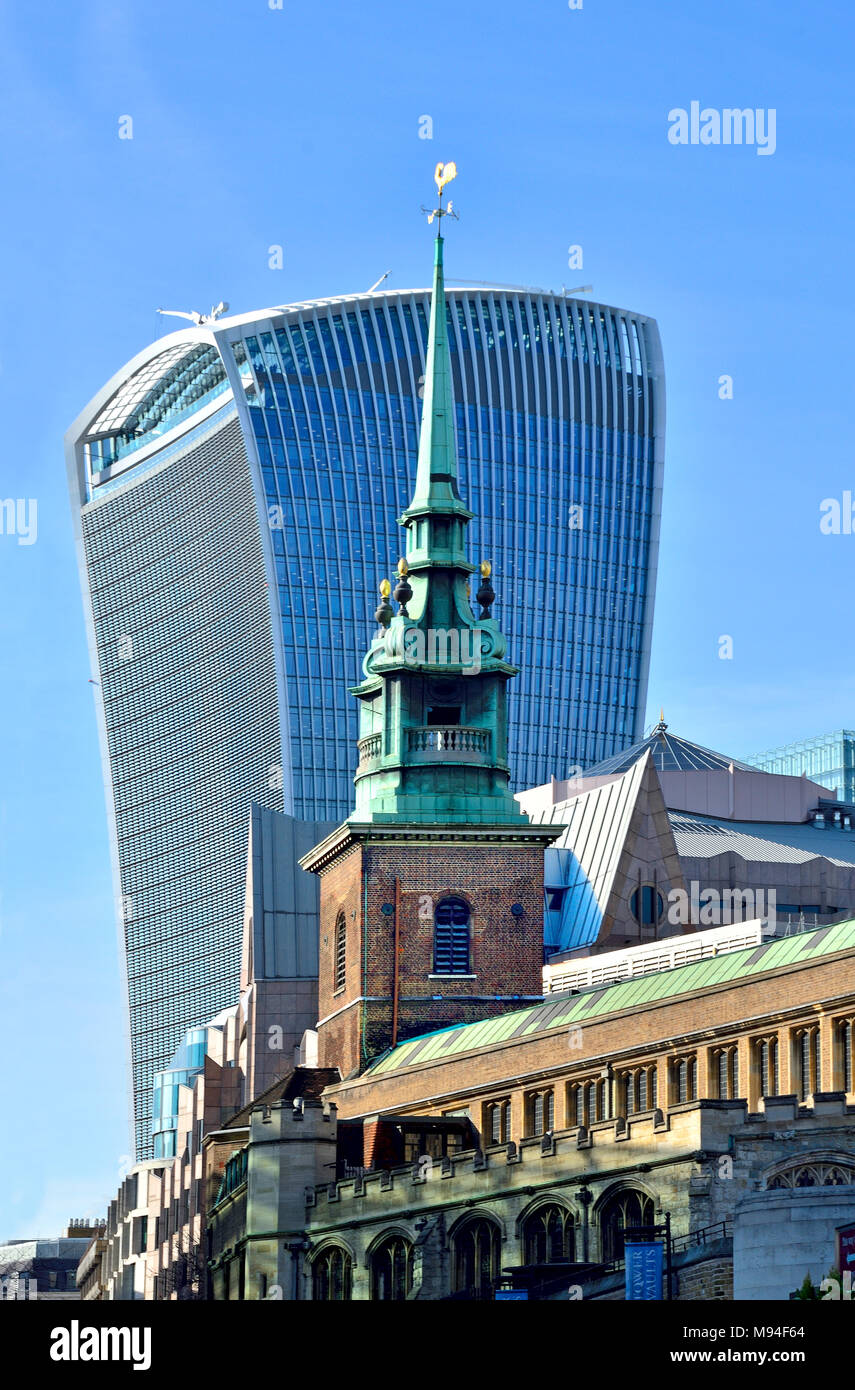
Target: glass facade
559 449
828 759
235 491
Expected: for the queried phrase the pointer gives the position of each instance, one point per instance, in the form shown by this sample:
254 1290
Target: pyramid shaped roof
670 754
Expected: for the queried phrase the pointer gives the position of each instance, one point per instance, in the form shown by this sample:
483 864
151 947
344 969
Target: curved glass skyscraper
233 487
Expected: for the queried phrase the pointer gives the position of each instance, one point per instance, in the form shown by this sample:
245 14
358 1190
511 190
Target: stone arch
469 1213
544 1199
624 1203
817 1168
389 1261
476 1240
332 1279
394 1228
547 1230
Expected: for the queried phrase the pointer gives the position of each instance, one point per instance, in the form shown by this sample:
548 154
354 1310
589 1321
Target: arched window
392 1270
844 1036
451 937
477 1258
766 1061
684 1080
587 1102
497 1121
813 1173
808 1059
726 1072
332 1273
624 1208
539 1112
548 1236
340 952
637 1089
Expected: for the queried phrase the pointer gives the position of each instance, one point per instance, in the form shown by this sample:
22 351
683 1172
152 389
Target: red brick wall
506 951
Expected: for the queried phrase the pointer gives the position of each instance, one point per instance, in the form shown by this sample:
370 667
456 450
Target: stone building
463 1131
521 1148
155 1227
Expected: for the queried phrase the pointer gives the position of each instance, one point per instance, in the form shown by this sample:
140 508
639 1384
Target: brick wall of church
708 1282
506 949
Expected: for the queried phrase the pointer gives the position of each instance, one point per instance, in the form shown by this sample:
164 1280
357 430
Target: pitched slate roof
561 1011
306 1082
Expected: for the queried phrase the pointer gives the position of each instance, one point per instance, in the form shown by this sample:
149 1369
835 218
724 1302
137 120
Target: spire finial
442 174
436 490
383 614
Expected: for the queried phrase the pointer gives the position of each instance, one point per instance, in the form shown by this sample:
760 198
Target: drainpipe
364 1006
395 971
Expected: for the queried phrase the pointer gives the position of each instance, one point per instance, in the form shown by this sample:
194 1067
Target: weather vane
442 174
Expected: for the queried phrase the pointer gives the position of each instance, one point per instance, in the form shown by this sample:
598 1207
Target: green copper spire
433 745
436 475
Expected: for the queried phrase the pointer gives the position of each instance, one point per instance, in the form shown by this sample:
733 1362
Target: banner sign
846 1249
644 1269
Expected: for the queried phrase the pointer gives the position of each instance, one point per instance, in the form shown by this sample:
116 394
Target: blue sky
255 126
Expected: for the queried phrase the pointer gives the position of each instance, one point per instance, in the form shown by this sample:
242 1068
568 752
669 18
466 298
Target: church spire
433 741
436 475
436 492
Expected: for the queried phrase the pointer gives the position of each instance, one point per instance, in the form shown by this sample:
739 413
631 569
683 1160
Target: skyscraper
827 758
234 490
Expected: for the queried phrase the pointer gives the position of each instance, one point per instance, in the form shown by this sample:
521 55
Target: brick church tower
432 891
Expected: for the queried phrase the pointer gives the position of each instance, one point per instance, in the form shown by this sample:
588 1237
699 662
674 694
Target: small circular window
647 905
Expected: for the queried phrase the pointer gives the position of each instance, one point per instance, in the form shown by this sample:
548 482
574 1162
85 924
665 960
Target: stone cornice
350 835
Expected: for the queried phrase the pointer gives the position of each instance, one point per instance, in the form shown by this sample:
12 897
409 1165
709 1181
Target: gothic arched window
813 1173
451 937
624 1208
392 1270
477 1258
332 1273
548 1236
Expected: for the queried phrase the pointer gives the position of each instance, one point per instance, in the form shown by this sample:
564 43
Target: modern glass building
234 489
828 759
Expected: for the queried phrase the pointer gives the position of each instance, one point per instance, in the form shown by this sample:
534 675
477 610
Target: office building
829 759
235 488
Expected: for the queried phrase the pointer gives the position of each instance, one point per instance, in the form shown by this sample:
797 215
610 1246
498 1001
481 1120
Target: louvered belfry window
340 951
451 937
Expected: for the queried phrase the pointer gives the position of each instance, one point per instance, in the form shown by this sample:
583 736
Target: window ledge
452 977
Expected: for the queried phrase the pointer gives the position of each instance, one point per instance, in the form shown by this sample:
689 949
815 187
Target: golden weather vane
443 174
